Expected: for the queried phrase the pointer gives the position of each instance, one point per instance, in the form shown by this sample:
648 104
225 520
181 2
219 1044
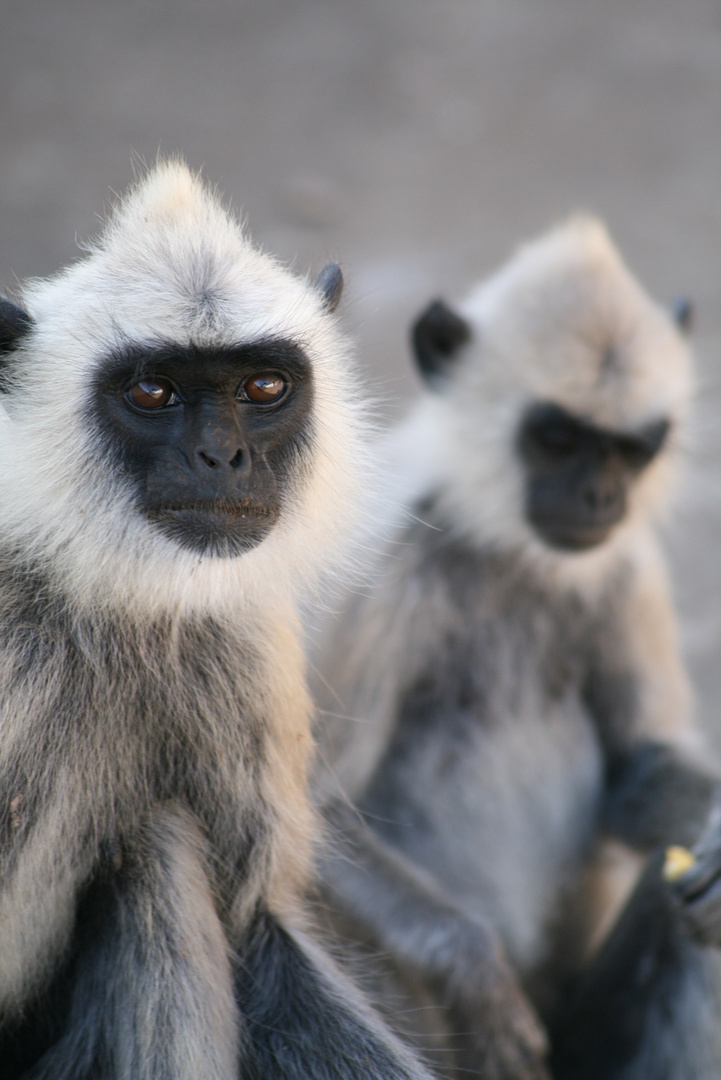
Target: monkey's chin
220 529
574 540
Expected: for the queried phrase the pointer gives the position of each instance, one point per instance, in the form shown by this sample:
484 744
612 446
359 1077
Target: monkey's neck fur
96 709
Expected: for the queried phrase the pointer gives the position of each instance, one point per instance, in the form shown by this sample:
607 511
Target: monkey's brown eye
152 394
264 388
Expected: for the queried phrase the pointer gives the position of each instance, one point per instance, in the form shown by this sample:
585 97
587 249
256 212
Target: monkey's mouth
577 538
222 527
215 509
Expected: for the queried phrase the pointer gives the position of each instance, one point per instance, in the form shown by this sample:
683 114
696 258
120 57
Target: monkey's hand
695 880
495 1030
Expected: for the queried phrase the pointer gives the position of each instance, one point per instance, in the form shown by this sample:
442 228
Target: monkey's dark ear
14 322
436 336
683 313
329 284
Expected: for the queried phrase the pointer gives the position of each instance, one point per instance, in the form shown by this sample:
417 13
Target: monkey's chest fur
101 721
492 775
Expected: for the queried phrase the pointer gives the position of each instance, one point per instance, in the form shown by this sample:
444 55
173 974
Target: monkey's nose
214 461
600 498
604 497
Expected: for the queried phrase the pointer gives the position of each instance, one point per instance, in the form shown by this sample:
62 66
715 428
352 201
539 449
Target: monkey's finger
690 873
695 877
703 914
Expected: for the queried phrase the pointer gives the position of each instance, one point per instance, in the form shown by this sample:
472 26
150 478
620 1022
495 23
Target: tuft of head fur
171 266
564 322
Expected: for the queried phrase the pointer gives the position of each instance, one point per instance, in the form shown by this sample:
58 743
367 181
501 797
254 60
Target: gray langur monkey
513 720
180 434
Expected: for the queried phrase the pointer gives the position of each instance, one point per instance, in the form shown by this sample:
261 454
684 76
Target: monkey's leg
389 904
649 1006
152 993
304 1022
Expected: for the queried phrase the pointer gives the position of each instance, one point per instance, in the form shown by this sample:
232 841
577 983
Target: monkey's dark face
208 437
578 476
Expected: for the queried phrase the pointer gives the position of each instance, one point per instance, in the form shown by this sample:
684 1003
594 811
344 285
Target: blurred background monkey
518 715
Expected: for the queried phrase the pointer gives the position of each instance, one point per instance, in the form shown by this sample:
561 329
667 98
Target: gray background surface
416 140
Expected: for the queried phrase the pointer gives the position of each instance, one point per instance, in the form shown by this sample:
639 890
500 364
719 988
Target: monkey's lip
219 510
575 539
573 535
224 528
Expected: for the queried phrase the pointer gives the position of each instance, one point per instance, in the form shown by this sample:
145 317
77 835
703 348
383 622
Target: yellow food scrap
678 861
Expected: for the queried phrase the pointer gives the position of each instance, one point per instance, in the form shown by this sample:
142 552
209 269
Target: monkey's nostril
236 460
600 499
210 462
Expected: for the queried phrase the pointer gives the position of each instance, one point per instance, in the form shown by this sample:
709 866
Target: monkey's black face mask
578 477
207 437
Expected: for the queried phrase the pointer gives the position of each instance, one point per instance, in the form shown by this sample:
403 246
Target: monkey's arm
146 991
44 861
397 910
658 791
657 796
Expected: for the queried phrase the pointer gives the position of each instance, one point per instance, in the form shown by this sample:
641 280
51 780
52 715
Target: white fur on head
564 322
173 266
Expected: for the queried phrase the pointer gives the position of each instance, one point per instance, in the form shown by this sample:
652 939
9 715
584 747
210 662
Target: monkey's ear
436 336
683 313
329 284
14 322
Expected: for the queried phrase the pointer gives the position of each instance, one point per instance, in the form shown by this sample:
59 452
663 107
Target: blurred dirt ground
416 140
